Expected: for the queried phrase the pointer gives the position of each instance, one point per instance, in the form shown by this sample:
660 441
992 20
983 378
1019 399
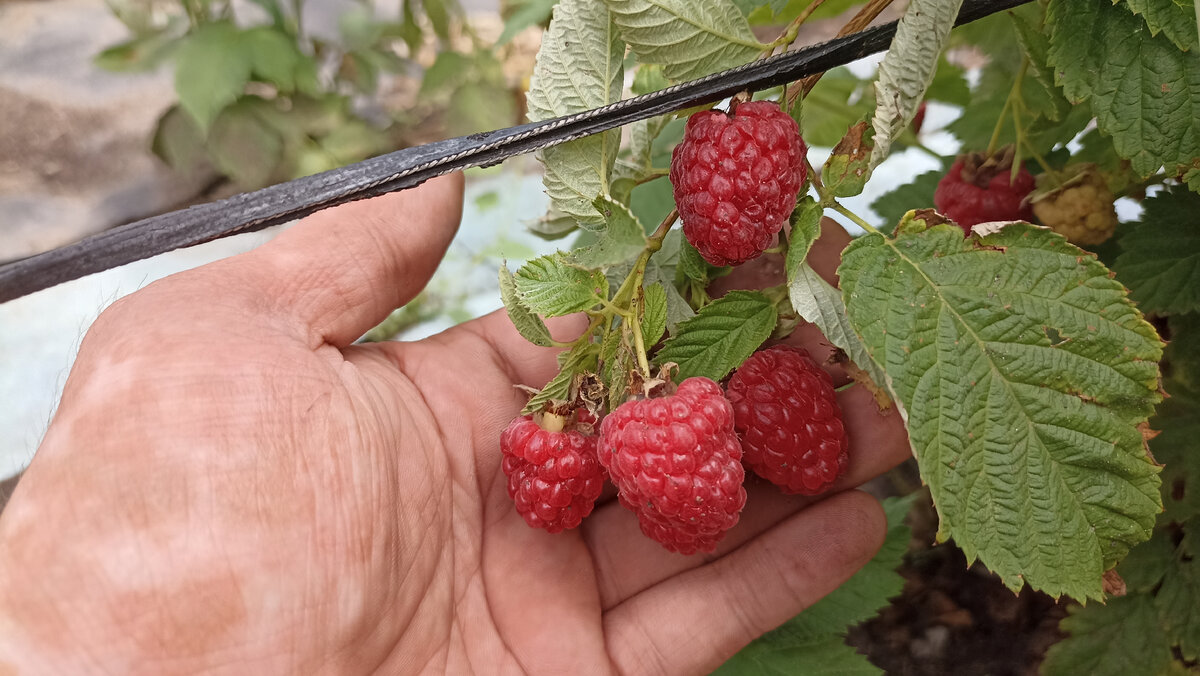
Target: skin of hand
230 486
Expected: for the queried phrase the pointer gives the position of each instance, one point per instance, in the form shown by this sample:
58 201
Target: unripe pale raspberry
735 178
677 463
787 416
978 190
1082 211
553 474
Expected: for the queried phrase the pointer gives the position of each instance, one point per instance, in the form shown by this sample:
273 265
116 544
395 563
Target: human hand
230 486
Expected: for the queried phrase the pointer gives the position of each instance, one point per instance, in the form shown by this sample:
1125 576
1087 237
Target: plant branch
859 21
858 220
793 29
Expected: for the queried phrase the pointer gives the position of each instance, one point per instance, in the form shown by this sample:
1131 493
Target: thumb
339 272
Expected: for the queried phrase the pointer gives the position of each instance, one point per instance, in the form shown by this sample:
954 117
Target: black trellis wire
411 166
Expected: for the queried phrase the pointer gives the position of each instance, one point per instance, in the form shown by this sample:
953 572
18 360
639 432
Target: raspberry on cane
553 474
977 189
677 463
787 416
1081 209
735 178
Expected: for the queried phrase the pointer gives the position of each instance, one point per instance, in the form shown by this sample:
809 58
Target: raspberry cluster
676 459
735 178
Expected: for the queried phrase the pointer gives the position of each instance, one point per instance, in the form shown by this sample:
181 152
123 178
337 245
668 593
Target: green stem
1013 93
614 309
793 29
635 325
927 150
836 206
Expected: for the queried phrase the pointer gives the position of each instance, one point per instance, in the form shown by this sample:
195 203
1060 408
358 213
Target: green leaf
579 67
1160 259
617 361
827 111
274 57
678 309
1023 372
141 53
1147 563
553 225
243 146
1035 45
179 142
438 14
826 654
1145 93
891 206
689 39
553 287
409 30
820 303
640 163
691 264
359 28
353 141
1178 420
1178 600
449 71
1174 18
809 642
1047 118
622 239
649 78
581 358
212 68
527 323
848 167
1191 178
530 13
721 336
1121 638
949 84
806 228
907 69
479 106
654 323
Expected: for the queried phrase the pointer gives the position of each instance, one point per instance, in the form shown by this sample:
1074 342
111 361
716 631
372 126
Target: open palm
230 485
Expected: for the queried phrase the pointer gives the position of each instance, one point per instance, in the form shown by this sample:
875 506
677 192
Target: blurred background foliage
264 99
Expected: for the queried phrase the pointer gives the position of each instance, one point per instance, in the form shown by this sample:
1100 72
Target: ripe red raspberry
977 190
735 178
553 474
677 463
787 416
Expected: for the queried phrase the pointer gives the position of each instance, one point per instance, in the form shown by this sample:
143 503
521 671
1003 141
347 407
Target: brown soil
955 619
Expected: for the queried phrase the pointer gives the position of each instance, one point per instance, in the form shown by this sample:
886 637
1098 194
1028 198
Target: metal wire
411 166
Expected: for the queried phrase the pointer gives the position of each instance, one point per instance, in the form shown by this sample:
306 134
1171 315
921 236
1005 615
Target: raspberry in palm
788 419
553 474
677 463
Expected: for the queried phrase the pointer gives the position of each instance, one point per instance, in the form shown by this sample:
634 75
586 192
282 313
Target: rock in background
74 155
